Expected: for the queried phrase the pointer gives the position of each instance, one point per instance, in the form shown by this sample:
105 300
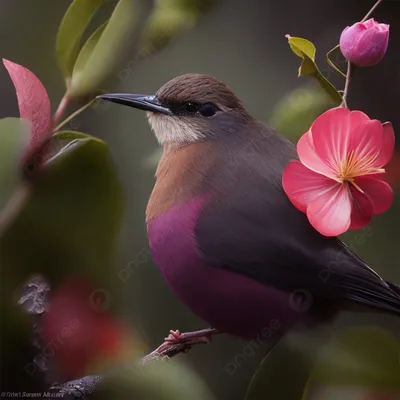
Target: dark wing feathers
252 228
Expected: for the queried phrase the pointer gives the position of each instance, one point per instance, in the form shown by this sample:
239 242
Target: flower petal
309 157
387 146
357 118
366 142
330 132
379 192
330 213
362 211
303 185
33 101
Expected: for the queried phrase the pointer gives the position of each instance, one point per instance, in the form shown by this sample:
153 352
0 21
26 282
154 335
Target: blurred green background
243 44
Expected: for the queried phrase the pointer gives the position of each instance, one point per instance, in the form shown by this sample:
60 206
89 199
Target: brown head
189 108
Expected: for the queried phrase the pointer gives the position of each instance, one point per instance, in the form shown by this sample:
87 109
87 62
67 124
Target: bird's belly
228 301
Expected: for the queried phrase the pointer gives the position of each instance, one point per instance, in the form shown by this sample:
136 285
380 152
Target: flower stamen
356 186
354 165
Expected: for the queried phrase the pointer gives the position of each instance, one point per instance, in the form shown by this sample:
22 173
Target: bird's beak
139 101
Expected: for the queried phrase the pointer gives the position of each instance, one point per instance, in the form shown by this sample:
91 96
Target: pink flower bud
365 43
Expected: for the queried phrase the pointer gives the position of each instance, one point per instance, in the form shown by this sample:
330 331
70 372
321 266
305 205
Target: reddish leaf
80 328
33 102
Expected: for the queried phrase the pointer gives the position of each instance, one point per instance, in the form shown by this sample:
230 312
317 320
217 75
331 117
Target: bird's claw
189 338
173 336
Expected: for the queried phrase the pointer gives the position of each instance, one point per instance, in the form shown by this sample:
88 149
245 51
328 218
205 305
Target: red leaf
33 102
80 329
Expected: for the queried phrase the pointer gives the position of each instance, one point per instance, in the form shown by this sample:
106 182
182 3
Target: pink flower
365 43
33 103
338 182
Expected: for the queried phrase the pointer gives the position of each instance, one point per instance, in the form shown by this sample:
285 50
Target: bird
221 229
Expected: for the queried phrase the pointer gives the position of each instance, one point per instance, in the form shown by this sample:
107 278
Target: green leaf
169 19
70 32
66 229
70 223
157 380
89 46
163 25
294 113
284 372
193 6
14 138
306 50
104 51
14 141
71 135
366 357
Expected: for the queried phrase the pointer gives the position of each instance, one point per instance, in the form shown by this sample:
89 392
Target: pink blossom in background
338 181
365 43
33 103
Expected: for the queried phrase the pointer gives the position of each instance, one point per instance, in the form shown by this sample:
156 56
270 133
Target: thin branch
178 342
372 10
61 109
347 85
331 63
34 298
79 389
74 114
84 387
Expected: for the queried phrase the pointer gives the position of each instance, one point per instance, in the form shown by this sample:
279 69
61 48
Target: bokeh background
242 43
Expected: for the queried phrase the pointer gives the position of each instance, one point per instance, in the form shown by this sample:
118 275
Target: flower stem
372 10
347 85
61 109
74 114
331 63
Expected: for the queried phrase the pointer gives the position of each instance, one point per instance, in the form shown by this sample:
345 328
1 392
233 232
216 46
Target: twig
79 389
84 387
331 63
74 114
34 301
178 342
61 109
372 10
347 85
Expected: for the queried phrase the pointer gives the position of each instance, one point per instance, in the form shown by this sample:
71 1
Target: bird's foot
177 342
202 336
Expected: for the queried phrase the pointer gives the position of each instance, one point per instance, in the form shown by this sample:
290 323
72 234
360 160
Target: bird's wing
251 227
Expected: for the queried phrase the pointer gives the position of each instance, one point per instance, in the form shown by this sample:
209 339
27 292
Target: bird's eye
191 107
208 110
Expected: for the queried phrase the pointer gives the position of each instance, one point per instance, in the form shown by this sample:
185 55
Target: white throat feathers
173 129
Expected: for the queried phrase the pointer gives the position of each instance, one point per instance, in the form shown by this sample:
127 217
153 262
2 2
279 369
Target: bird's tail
394 287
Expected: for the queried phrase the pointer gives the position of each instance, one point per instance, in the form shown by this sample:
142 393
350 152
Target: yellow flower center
357 165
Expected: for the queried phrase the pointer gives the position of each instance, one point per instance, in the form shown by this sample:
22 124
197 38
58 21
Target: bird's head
188 108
